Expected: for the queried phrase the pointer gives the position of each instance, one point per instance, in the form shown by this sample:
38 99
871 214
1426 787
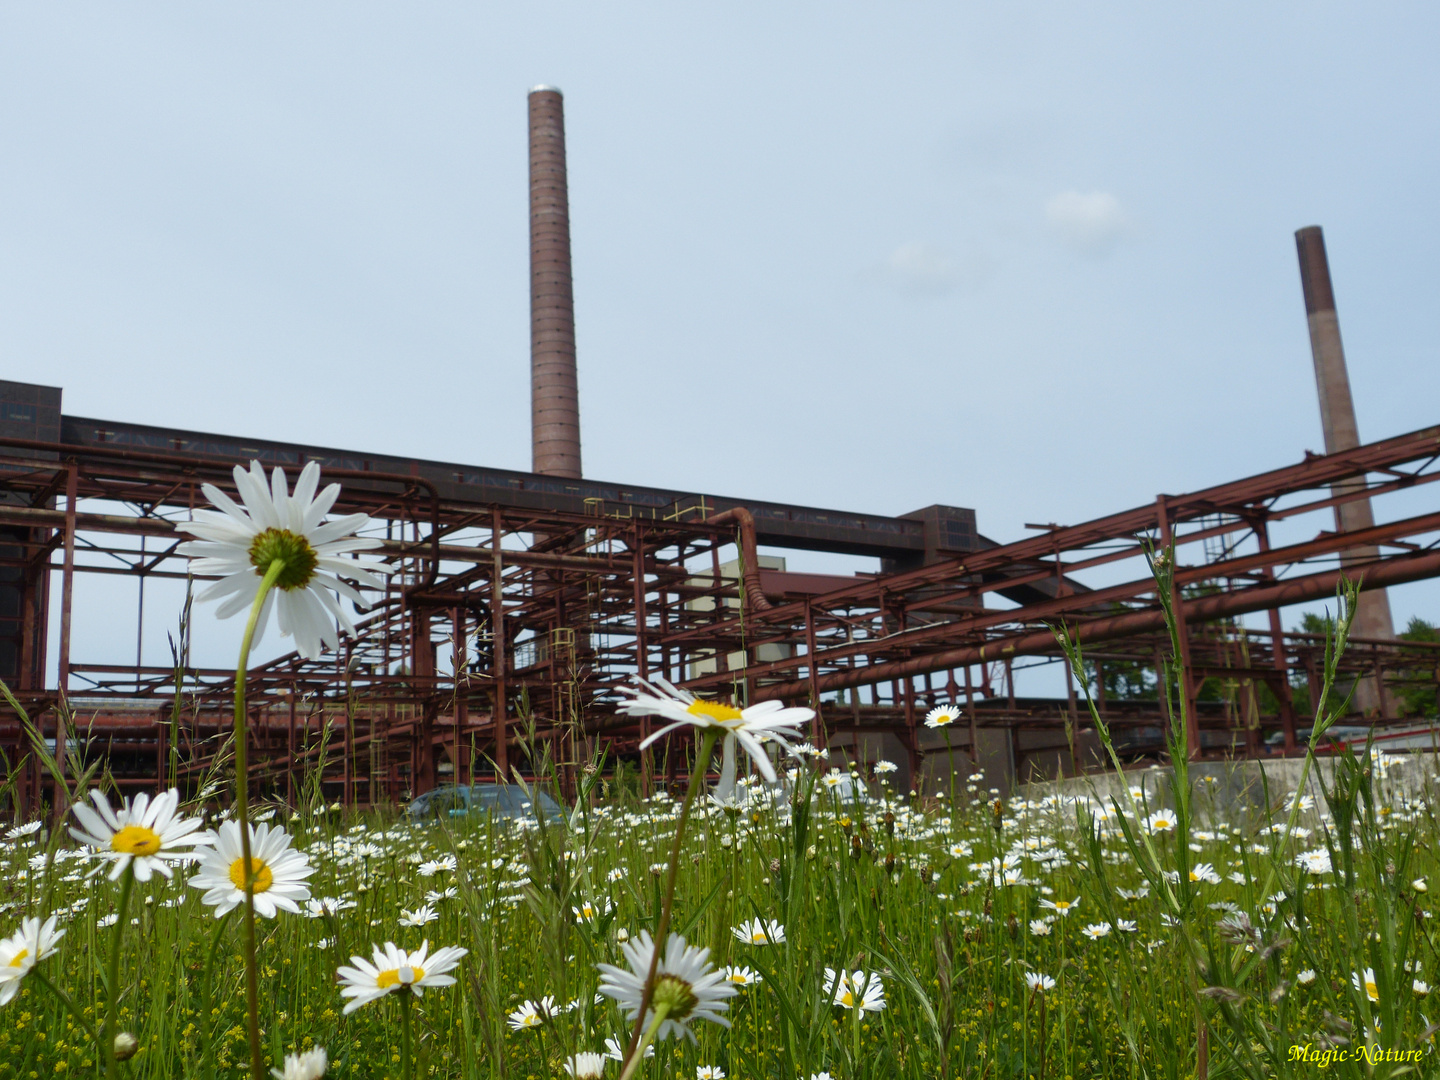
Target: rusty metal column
461 662
497 649
642 645
1277 649
554 392
290 754
813 674
67 593
1337 417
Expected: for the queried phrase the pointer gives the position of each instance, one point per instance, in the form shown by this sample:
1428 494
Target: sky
1037 260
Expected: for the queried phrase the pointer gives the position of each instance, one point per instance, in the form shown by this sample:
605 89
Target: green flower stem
697 779
639 1053
855 1017
950 764
242 815
405 1069
66 1001
112 975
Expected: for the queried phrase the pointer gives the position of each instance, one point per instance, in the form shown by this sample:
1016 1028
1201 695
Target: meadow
965 911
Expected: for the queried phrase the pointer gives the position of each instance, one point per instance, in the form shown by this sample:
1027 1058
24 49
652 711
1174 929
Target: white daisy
741 976
1366 984
395 969
240 543
28 829
310 1065
1061 907
22 950
585 1066
942 716
760 932
1039 983
1161 821
326 906
1206 873
751 727
279 871
144 833
615 1052
855 990
419 917
1316 861
687 988
590 910
1095 931
532 1014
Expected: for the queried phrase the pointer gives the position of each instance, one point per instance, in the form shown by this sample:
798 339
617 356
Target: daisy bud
126 1046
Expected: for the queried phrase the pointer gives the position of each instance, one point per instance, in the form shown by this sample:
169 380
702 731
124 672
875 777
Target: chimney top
545 88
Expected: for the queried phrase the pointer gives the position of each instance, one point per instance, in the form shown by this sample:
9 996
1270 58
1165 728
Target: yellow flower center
263 877
291 549
1062 905
943 719
1372 991
135 840
714 710
20 958
386 979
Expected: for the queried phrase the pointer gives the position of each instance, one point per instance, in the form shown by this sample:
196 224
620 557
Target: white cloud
924 270
1090 223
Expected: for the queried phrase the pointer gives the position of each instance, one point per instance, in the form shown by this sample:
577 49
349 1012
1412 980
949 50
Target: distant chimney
1337 418
554 395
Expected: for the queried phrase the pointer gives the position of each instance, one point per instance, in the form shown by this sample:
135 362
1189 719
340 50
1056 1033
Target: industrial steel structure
489 634
523 601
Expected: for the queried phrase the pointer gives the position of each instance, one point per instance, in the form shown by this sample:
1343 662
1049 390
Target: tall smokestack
554 395
1337 417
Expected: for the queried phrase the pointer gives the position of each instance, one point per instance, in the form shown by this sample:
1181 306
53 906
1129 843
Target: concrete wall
1245 788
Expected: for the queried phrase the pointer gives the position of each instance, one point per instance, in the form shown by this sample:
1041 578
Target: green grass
881 892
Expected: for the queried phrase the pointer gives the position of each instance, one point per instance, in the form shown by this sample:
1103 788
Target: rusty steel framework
509 627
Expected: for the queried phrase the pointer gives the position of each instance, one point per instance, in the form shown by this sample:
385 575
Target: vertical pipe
462 685
497 650
554 393
1337 417
290 754
1277 650
67 591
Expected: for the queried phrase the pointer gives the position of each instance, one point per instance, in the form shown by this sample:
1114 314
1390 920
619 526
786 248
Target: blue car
499 800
